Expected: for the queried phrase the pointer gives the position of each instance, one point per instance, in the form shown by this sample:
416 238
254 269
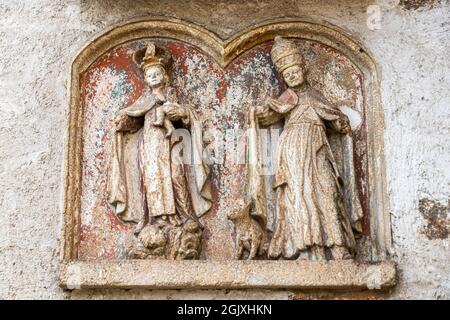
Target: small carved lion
150 244
152 237
249 233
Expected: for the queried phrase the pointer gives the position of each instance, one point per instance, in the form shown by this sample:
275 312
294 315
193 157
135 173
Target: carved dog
250 235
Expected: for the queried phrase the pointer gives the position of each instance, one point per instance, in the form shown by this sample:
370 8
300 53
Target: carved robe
310 202
167 184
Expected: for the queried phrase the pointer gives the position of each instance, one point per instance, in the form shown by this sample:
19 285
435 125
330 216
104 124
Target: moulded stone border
274 274
164 274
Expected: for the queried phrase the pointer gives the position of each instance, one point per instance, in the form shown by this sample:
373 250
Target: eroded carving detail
250 235
318 214
174 192
92 234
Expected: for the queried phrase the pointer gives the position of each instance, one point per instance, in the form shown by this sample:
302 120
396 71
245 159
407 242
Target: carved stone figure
313 220
250 235
174 192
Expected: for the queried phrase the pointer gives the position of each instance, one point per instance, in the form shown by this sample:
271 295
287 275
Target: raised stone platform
161 274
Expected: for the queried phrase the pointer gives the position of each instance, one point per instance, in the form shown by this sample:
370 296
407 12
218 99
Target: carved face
293 76
155 76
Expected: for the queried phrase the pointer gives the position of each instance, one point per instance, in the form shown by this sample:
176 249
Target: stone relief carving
120 123
174 192
318 214
250 235
314 216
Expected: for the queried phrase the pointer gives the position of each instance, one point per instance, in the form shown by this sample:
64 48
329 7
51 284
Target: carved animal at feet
250 235
153 239
190 242
150 243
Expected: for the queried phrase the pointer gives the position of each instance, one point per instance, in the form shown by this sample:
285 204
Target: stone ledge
160 274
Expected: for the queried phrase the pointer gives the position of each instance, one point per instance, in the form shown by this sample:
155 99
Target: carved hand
125 122
120 119
266 116
175 111
262 111
344 124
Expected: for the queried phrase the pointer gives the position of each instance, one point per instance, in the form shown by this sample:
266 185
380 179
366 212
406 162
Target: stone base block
160 274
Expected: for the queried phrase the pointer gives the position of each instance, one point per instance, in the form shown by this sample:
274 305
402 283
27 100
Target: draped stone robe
167 184
310 206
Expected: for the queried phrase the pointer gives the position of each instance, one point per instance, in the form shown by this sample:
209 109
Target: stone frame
228 274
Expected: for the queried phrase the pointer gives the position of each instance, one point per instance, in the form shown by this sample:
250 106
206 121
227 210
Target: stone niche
216 77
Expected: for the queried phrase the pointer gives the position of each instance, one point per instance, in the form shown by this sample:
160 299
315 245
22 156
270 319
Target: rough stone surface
217 94
39 40
348 274
438 224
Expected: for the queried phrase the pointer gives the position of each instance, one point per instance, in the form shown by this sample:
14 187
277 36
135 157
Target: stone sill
163 274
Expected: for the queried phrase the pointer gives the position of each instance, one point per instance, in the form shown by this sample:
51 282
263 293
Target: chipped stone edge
163 274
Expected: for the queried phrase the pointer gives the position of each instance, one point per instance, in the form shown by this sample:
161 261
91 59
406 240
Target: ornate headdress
285 53
151 56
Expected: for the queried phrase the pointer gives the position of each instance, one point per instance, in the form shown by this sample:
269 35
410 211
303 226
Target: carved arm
335 118
125 122
267 116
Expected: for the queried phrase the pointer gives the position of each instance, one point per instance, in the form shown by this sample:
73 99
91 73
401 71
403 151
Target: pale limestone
136 274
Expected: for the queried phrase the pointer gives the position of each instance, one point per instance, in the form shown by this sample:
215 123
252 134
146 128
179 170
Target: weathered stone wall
39 38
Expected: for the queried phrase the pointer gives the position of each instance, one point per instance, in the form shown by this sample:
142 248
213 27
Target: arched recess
224 51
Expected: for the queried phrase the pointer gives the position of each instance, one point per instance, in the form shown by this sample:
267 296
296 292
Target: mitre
285 53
